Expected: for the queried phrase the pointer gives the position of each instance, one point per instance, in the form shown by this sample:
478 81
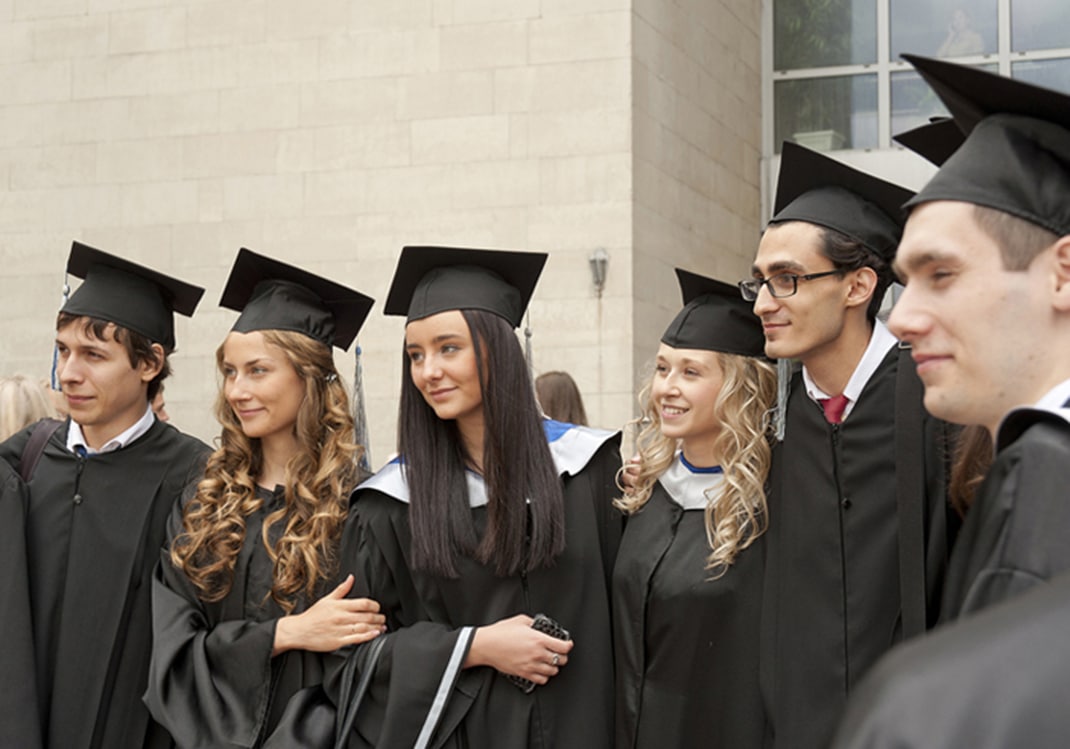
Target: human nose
907 321
764 301
69 369
429 369
235 389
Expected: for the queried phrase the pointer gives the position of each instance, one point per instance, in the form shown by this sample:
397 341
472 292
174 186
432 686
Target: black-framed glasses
780 285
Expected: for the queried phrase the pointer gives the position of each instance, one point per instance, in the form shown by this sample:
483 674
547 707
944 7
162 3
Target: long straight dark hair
517 467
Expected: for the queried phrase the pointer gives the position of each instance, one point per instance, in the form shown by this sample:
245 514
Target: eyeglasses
780 285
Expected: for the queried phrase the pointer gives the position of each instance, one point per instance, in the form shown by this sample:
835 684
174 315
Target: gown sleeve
19 718
209 680
418 683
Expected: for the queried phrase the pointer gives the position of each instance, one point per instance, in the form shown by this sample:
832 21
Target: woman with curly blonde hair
243 605
687 584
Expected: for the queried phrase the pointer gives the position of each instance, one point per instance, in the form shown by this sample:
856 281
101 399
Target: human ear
148 369
862 285
1060 269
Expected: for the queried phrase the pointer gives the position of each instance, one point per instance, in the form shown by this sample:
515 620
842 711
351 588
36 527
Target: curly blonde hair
743 407
319 479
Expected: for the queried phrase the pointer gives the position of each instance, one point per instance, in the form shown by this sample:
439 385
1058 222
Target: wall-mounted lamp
599 261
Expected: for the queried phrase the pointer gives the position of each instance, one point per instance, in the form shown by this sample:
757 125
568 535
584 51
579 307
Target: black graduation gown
831 603
20 724
1016 533
686 646
431 621
212 681
93 533
996 680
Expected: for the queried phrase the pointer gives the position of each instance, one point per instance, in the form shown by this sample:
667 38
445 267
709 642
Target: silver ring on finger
555 660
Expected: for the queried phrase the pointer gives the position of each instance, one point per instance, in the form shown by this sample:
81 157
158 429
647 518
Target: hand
330 623
513 647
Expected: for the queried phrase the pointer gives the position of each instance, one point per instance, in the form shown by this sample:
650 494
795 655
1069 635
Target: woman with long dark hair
687 586
489 516
246 599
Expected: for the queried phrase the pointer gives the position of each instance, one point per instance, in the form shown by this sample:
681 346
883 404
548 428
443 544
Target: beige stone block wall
328 134
697 115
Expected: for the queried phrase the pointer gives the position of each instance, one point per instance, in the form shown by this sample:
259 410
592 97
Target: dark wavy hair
849 254
525 510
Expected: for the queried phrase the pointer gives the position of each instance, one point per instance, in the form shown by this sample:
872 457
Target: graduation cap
429 280
1016 157
272 295
936 140
127 294
819 190
714 318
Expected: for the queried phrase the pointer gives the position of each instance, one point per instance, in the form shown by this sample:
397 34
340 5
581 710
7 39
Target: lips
927 362
440 394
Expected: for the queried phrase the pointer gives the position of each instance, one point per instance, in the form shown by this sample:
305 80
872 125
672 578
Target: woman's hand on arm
513 647
332 622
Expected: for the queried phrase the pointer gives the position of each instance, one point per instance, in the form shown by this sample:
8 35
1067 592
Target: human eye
783 282
229 372
415 357
661 368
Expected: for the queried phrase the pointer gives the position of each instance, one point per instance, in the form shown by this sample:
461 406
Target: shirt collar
76 439
880 341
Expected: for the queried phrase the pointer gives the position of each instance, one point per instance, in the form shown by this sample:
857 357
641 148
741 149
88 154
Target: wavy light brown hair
319 479
743 406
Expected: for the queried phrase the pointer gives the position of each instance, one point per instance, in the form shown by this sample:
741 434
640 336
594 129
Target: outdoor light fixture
599 261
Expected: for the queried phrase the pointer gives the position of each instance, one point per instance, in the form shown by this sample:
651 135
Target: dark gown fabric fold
994 680
831 604
1016 533
94 527
431 622
213 681
20 722
686 645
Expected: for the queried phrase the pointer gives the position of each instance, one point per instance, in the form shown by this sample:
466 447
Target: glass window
1048 73
943 28
1038 24
820 33
914 103
827 114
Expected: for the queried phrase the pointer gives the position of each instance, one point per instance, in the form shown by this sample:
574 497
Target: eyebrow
436 339
778 267
250 363
920 260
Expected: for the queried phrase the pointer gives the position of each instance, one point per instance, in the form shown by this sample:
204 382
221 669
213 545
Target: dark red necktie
834 408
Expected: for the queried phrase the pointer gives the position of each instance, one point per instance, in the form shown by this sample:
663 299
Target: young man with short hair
986 260
858 531
97 504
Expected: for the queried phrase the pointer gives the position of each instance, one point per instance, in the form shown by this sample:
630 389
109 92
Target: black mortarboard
429 280
714 318
127 294
935 140
1016 157
820 190
272 295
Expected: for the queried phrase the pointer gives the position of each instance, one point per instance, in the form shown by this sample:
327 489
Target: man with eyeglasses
859 524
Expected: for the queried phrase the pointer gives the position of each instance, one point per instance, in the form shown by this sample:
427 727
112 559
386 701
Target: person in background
97 505
687 586
246 600
490 516
859 521
159 406
22 402
560 399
